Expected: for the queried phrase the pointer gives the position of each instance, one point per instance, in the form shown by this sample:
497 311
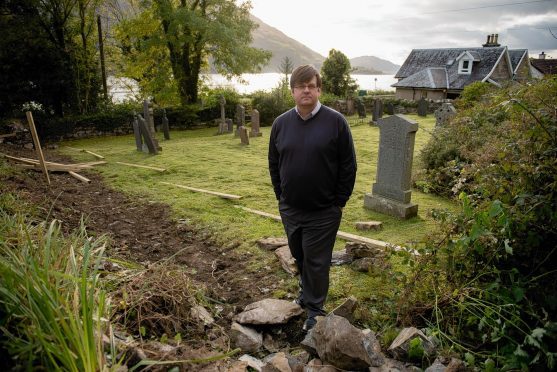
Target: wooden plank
7 135
341 234
219 194
141 166
94 154
55 166
79 177
37 144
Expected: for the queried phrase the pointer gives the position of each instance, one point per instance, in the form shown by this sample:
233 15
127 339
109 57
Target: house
542 66
443 73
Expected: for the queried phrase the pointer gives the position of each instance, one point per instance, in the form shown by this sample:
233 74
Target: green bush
270 105
487 282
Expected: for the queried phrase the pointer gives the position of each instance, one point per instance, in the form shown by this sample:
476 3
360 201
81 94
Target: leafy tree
335 74
168 43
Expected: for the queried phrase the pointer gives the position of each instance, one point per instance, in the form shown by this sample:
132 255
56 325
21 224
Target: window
465 66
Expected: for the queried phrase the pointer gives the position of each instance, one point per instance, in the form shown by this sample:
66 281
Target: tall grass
53 309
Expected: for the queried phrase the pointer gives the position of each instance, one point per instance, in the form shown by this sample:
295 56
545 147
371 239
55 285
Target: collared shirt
311 114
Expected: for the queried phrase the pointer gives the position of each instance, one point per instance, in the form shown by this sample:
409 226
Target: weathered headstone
230 125
240 118
390 108
255 124
149 144
391 192
222 102
423 106
150 121
377 110
137 133
223 127
165 127
350 106
444 114
361 108
244 137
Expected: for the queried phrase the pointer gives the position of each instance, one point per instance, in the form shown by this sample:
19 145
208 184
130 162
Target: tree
335 74
176 39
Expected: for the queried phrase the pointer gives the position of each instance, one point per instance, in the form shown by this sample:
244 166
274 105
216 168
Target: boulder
238 366
199 312
341 258
252 362
316 365
246 338
361 250
401 344
270 244
369 225
391 365
286 260
347 308
276 363
298 361
269 311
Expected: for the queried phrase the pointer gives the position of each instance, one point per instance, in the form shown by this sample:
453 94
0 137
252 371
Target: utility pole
101 52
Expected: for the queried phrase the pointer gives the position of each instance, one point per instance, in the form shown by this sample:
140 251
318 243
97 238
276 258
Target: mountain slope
269 38
366 64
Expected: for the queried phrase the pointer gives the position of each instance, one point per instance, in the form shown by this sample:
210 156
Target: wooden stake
141 166
219 194
79 177
92 153
37 144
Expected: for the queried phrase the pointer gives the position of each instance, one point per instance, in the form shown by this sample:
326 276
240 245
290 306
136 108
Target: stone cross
244 137
149 144
240 118
423 106
255 124
165 127
391 192
222 102
377 110
444 114
137 133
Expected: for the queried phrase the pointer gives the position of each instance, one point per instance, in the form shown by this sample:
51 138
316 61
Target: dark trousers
311 237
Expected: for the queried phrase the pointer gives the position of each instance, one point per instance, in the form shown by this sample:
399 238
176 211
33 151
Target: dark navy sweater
312 163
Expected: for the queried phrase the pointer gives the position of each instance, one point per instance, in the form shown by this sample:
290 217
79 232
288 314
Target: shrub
270 105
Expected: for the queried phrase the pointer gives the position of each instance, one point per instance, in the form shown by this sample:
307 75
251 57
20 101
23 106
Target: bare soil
144 232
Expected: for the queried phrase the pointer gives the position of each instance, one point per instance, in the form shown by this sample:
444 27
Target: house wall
416 94
501 72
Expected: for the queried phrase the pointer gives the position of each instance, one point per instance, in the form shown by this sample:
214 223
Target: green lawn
201 159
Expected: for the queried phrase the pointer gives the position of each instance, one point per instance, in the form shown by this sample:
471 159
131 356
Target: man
313 168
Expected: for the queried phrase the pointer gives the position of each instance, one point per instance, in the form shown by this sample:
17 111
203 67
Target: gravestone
391 192
390 108
423 106
240 118
150 121
350 106
137 133
377 110
222 102
223 127
444 114
148 143
165 127
255 124
361 108
230 125
244 137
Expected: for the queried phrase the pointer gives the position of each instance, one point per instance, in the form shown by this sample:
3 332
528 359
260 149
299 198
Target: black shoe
309 324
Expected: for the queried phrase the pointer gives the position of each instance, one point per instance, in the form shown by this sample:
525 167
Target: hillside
269 38
274 40
369 64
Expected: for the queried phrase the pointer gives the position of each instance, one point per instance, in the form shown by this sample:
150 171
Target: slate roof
413 72
545 66
516 55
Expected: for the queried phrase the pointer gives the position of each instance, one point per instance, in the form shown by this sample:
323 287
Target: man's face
306 94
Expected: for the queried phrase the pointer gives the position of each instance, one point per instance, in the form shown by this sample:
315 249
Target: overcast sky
390 29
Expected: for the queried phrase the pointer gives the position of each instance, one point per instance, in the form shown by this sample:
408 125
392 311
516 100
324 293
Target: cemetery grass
201 159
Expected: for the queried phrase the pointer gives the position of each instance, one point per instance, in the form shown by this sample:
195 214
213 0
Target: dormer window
465 66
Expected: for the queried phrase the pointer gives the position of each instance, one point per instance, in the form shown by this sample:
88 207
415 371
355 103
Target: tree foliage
168 43
47 55
335 74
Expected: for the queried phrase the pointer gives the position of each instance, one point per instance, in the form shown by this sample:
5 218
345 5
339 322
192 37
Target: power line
487 6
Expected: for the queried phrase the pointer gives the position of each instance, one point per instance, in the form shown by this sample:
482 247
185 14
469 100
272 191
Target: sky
390 29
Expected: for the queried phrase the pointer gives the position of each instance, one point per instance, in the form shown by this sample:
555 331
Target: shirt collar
311 114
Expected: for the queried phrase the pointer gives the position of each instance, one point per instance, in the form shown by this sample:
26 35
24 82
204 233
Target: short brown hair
303 74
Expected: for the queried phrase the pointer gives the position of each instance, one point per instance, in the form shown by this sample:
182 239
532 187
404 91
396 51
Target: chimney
492 41
496 37
542 55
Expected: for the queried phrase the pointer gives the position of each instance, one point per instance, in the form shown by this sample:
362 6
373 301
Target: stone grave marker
255 124
230 125
240 118
137 133
350 106
390 108
222 102
377 110
150 121
165 127
444 114
360 108
391 192
148 143
423 106
244 136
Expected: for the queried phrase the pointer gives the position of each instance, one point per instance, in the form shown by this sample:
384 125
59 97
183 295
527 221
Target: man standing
313 169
